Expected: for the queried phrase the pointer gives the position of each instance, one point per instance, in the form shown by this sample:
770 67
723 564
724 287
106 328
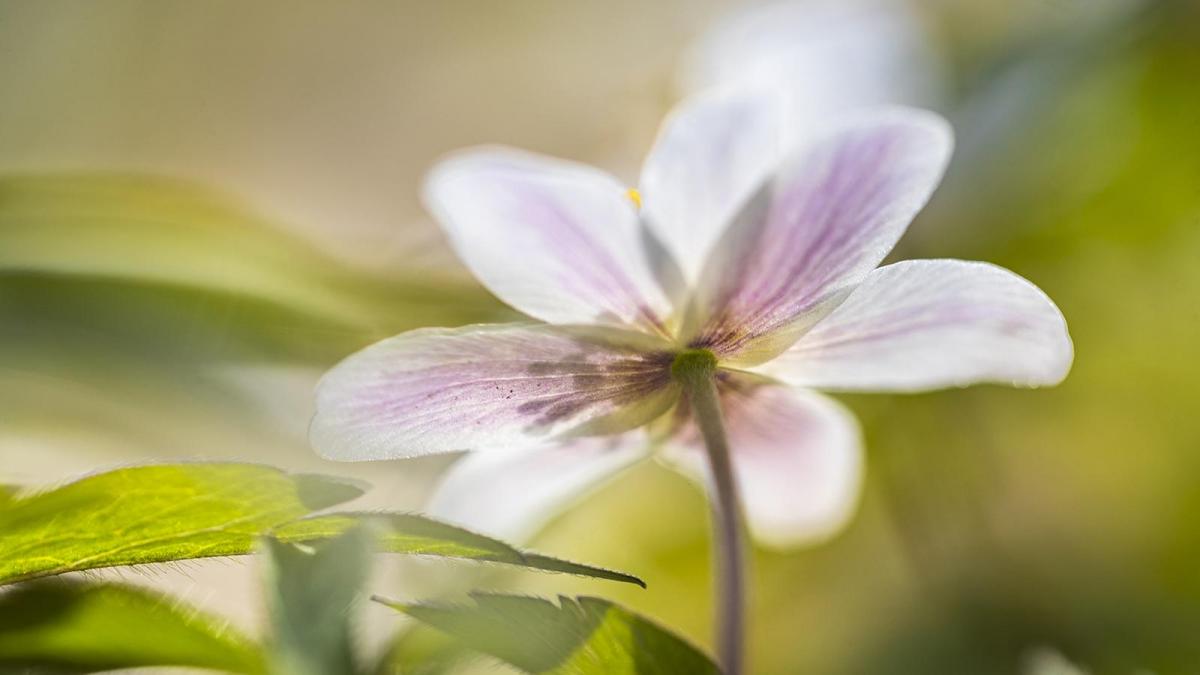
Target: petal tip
928 125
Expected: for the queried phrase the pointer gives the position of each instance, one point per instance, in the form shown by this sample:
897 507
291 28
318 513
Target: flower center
690 364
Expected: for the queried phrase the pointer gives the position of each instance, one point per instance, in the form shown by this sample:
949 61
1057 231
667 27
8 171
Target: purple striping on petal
809 237
592 269
592 272
555 240
921 325
440 390
780 274
544 392
885 327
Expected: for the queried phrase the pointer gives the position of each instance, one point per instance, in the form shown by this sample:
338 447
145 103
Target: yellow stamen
635 197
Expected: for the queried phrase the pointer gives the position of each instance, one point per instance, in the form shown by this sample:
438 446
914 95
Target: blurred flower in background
825 57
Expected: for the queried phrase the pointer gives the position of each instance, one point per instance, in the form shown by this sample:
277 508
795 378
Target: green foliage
421 650
311 593
316 567
419 535
70 627
584 636
183 272
151 514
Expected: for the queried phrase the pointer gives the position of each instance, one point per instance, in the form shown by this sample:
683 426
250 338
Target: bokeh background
204 205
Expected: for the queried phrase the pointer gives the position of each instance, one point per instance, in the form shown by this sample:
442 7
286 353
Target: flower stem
695 372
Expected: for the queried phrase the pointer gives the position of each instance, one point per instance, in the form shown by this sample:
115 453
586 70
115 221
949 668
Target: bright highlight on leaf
582 636
164 513
153 514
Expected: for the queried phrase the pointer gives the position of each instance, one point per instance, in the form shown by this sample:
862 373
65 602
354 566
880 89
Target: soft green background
150 318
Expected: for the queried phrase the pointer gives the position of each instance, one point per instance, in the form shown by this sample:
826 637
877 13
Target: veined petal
512 493
439 390
827 219
797 456
559 241
928 324
712 153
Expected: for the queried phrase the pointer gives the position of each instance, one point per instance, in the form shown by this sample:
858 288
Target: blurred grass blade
166 267
152 514
150 228
72 627
419 535
172 324
584 636
311 592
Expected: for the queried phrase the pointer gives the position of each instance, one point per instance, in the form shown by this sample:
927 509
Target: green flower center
692 364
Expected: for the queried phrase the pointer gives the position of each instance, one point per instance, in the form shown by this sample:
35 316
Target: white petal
513 493
440 390
797 456
928 324
559 241
826 57
712 152
827 219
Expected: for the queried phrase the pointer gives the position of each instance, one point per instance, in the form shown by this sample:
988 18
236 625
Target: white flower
761 255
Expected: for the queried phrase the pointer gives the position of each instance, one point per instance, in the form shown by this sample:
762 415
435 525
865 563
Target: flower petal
828 218
512 493
928 324
797 456
557 240
440 390
712 153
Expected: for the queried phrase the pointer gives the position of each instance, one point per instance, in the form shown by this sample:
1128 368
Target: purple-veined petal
928 324
440 390
831 214
559 241
797 456
712 153
512 493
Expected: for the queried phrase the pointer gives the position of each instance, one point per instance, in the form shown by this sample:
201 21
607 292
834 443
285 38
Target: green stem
695 370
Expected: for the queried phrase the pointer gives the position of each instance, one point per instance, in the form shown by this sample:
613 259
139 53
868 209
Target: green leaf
584 636
152 228
311 593
181 271
421 650
151 514
175 325
419 535
72 627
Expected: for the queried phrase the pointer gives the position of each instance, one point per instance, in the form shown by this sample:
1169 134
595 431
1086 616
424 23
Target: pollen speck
635 197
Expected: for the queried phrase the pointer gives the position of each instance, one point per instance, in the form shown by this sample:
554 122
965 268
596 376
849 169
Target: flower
738 245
